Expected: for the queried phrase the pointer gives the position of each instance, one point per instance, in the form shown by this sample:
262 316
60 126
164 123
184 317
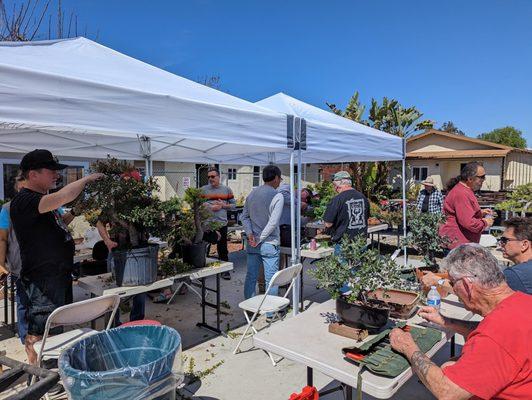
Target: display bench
305 339
99 285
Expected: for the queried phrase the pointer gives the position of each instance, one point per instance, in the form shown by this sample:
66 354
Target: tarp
78 98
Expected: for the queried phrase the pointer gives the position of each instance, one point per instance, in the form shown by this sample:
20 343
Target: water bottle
433 298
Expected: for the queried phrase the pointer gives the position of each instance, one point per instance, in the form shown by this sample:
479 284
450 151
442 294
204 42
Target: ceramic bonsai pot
401 302
371 316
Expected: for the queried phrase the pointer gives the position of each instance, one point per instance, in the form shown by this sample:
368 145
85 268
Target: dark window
256 176
10 173
231 174
420 173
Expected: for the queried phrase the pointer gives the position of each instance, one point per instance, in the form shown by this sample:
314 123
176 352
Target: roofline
459 137
457 154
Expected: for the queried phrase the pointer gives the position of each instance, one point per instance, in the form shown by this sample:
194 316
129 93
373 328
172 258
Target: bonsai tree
123 200
423 235
186 220
518 201
325 192
363 269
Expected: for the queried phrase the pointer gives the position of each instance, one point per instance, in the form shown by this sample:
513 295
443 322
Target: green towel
382 360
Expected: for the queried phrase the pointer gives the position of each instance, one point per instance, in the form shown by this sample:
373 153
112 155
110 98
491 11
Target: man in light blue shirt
260 218
516 244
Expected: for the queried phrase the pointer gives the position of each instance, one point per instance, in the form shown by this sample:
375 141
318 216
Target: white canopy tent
81 99
78 98
331 138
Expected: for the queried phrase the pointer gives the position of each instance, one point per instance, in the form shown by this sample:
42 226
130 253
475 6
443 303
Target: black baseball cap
40 158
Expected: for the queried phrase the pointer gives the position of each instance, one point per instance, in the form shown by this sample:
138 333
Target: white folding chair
266 303
74 314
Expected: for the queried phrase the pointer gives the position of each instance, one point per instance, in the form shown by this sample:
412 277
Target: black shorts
45 294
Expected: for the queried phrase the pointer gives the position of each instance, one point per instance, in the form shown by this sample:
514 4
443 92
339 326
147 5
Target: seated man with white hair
496 360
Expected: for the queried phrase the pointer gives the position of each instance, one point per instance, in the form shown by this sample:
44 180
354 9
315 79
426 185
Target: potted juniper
423 236
353 278
126 203
188 228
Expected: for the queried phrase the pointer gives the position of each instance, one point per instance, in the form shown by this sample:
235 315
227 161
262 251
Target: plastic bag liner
133 363
134 267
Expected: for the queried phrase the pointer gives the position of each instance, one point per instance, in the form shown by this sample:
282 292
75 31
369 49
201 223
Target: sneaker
226 275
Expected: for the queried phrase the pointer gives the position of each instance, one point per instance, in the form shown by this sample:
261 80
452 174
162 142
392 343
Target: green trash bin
137 362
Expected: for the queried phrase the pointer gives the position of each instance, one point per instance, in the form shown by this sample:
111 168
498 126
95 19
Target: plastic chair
266 303
74 314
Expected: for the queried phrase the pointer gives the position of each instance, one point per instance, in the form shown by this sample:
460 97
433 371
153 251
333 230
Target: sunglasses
503 240
481 176
212 176
454 282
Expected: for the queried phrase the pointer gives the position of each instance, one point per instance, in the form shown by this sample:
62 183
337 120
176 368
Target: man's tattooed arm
421 365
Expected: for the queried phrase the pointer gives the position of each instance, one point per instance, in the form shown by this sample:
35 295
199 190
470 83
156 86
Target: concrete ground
213 372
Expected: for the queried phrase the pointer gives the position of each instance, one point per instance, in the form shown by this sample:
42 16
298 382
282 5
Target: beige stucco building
441 155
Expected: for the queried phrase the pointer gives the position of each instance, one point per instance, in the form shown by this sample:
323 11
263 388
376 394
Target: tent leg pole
299 282
295 292
404 200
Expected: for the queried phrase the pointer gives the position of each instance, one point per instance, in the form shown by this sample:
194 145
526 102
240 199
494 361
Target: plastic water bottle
433 298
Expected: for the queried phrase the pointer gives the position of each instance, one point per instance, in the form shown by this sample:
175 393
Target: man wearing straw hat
430 198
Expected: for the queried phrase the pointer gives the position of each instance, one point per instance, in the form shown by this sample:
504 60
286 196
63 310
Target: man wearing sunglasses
219 199
516 244
496 359
465 221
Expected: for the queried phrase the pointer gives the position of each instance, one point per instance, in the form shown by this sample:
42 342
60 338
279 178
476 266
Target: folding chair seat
49 347
269 304
266 303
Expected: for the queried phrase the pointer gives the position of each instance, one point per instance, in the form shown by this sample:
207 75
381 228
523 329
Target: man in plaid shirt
430 198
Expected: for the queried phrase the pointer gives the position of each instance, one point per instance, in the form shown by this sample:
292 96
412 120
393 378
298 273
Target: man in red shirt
465 221
496 360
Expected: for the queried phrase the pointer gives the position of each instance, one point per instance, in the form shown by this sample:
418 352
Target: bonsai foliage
124 201
423 235
325 192
519 200
186 220
363 269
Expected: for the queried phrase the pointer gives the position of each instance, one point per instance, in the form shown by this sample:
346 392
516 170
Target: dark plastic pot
363 316
195 254
134 267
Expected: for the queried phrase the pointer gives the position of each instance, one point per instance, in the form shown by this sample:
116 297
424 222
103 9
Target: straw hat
428 182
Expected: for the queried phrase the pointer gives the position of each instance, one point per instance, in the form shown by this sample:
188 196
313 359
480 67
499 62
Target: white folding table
99 285
305 339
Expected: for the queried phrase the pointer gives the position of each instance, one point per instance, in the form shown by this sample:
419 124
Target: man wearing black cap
46 246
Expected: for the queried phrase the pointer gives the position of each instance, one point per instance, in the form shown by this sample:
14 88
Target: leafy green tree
508 136
388 116
450 127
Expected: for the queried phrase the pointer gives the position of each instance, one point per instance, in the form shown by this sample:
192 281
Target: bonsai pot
195 254
134 267
371 316
401 302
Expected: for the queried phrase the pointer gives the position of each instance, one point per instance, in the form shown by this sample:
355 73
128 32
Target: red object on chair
308 393
141 322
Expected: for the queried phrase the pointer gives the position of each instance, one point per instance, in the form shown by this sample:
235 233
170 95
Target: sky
465 61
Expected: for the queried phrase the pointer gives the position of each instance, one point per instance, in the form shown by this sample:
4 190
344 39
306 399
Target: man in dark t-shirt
347 213
46 246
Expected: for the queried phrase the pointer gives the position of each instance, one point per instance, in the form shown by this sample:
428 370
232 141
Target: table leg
205 303
218 302
348 392
13 305
310 378
301 305
203 294
93 322
379 241
453 340
6 315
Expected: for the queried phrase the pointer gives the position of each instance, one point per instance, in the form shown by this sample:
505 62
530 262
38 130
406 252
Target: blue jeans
266 254
22 301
